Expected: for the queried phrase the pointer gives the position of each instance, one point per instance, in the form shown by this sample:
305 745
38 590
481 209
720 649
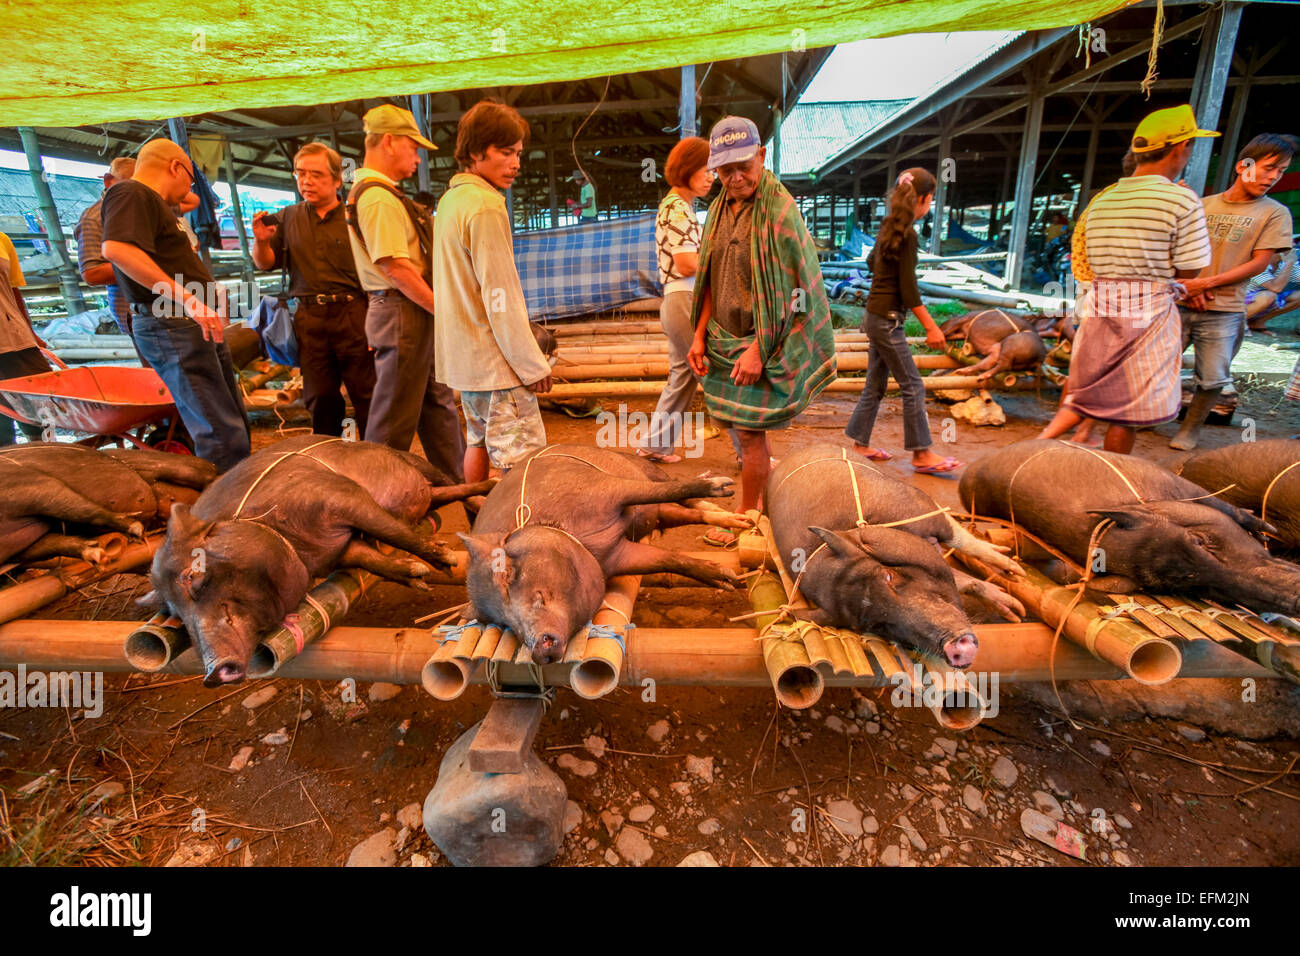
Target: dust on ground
852 781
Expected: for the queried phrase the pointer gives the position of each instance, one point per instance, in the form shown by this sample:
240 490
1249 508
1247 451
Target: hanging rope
1157 34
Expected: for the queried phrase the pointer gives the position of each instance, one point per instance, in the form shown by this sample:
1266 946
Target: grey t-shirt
731 282
1237 230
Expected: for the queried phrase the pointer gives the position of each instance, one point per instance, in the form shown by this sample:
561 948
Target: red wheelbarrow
107 402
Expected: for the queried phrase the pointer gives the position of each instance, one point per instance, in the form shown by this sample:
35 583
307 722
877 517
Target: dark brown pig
1244 472
544 576
1166 534
1005 342
243 557
892 582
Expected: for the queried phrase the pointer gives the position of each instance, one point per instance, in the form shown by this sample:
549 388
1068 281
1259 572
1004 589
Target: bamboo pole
615 389
156 643
796 679
326 603
19 600
1142 655
251 382
717 657
600 367
446 676
596 672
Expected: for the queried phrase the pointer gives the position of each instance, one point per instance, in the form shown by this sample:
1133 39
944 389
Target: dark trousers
332 352
407 399
889 354
201 377
16 364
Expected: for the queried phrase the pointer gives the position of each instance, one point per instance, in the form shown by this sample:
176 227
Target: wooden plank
506 736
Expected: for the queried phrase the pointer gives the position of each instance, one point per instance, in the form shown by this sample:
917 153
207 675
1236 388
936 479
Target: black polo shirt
134 213
320 254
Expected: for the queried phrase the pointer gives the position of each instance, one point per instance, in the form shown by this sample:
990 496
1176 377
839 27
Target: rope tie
1263 505
291 624
543 693
605 632
320 609
451 633
287 455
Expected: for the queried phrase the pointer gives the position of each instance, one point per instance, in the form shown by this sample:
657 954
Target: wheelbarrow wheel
175 440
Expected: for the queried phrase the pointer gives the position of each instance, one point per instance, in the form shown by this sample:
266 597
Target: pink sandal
947 466
669 459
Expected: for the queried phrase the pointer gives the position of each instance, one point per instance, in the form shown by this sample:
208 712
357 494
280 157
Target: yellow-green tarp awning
76 62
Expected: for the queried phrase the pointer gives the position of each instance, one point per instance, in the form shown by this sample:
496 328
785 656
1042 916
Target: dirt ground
698 769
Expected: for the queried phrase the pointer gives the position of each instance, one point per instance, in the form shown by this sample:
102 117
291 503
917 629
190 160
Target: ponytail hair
912 185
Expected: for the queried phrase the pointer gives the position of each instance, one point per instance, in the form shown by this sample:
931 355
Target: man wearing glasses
178 331
329 306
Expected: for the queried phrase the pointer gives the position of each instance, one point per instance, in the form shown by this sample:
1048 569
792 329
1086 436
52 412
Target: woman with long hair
677 239
893 294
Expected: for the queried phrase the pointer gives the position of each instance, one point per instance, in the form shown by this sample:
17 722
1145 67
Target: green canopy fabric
76 62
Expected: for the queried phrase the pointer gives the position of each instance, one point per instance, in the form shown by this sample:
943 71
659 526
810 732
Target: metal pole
420 109
550 185
776 142
1025 186
69 280
686 106
248 272
941 191
1089 165
1211 88
179 136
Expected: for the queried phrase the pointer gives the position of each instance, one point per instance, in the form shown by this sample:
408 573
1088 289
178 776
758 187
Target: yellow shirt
15 333
388 230
482 339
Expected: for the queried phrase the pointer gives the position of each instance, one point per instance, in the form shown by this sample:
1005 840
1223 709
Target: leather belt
384 293
328 299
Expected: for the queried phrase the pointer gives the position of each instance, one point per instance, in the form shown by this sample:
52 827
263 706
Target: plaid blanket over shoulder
792 319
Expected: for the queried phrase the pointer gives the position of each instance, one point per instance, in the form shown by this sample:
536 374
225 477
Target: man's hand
748 368
261 231
1195 287
935 339
208 320
696 357
544 385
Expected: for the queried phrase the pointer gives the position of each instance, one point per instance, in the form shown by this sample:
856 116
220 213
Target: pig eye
889 578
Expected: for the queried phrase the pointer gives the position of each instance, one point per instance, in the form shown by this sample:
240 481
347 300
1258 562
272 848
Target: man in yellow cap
391 237
1144 233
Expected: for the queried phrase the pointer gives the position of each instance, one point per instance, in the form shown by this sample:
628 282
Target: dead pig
560 524
243 557
1006 343
1165 533
1243 473
889 581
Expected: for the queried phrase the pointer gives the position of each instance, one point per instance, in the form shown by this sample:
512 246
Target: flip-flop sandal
947 466
721 537
879 455
658 457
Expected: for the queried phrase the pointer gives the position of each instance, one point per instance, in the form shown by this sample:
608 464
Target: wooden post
1210 85
1025 185
248 271
1089 163
1231 139
506 735
686 104
69 280
857 204
941 190
550 181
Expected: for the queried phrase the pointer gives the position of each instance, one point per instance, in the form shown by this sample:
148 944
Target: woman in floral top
677 236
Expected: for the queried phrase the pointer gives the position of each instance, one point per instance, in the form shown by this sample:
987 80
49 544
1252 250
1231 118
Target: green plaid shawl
792 319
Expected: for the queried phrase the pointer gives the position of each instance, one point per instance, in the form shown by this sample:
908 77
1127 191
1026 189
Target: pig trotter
637 558
407 571
998 600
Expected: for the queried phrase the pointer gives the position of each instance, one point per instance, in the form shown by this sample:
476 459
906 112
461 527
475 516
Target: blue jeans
1217 337
201 378
889 354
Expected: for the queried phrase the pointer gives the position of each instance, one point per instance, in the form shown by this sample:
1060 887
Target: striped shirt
1145 227
89 234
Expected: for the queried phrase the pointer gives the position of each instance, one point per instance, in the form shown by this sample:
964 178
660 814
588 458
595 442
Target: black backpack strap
421 220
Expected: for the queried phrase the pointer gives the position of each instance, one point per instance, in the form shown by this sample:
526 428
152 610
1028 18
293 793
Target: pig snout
548 648
960 650
224 672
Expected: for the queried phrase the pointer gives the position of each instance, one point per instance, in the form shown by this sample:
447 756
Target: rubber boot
1203 399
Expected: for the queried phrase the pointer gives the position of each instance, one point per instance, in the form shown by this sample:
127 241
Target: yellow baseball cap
1167 128
395 120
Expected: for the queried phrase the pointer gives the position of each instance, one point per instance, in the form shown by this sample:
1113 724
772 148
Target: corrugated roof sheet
813 132
71 195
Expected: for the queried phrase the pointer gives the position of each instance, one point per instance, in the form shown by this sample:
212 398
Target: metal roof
813 132
71 195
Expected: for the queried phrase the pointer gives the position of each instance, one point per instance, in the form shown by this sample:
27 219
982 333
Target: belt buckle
322 299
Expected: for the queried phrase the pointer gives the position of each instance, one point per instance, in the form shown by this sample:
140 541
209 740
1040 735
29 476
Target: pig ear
489 551
839 543
183 525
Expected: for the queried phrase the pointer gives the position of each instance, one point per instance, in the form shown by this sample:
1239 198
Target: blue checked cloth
592 267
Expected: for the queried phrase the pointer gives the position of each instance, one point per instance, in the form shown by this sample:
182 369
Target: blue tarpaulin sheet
586 268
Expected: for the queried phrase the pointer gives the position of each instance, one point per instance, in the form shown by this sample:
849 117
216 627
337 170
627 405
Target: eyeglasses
187 170
310 175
